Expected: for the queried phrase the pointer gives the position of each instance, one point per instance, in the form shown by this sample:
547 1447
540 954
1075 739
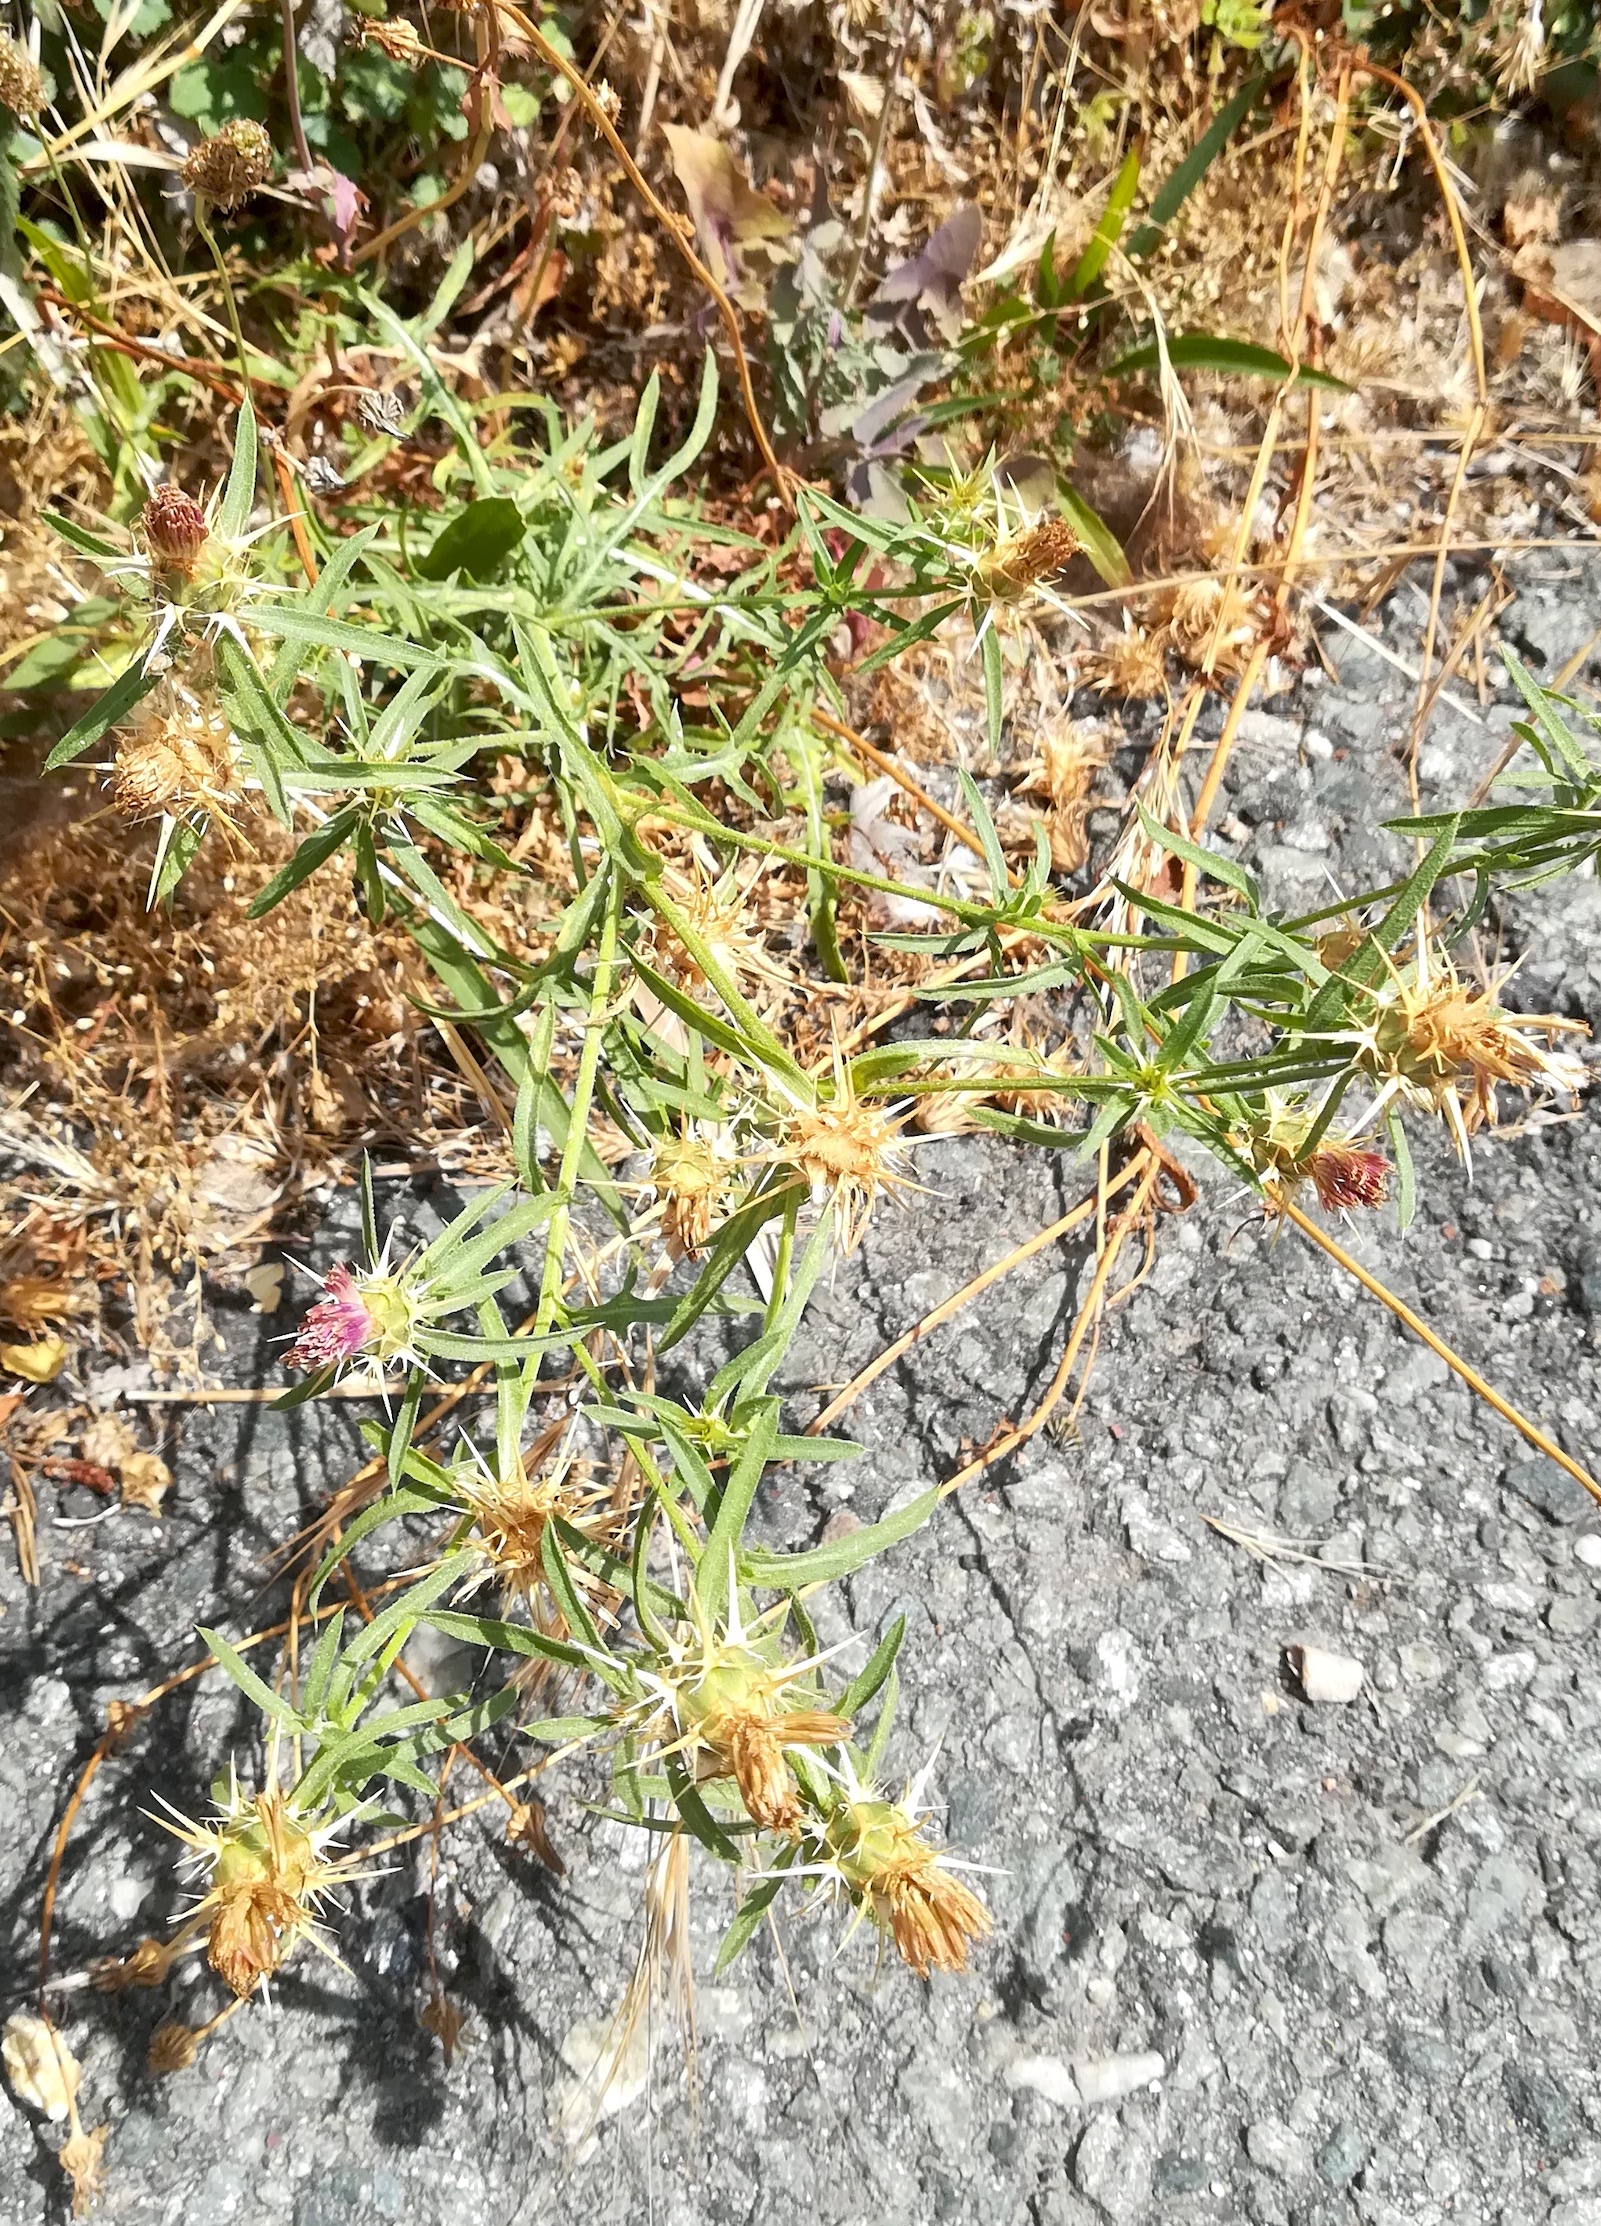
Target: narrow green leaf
106 711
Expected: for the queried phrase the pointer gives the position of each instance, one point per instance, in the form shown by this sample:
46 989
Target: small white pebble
1325 1676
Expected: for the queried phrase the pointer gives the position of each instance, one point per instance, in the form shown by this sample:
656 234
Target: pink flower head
1346 1175
337 1329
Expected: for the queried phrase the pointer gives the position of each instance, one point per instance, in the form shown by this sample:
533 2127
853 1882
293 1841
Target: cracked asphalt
1254 1958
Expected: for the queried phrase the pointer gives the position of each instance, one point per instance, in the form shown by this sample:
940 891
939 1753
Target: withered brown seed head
24 88
400 41
1016 565
173 2047
175 528
230 165
252 1928
158 771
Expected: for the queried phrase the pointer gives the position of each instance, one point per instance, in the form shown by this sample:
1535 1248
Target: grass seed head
229 166
24 88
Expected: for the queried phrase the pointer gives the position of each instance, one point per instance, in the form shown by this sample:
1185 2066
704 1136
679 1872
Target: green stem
578 1120
781 1265
203 227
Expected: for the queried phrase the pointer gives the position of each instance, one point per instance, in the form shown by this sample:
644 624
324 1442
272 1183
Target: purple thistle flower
337 1329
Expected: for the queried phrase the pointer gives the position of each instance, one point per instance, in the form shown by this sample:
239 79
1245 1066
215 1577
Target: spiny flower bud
229 166
24 88
1013 567
895 1875
175 529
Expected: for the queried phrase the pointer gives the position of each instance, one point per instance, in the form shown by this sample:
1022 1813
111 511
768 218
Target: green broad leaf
904 636
315 851
881 1730
644 426
477 541
105 712
565 1593
270 743
815 1449
403 1614
319 1676
716 1569
1099 542
826 1564
1542 703
687 1800
411 1498
239 495
1110 229
1177 187
1406 1174
1240 359
754 1905
994 856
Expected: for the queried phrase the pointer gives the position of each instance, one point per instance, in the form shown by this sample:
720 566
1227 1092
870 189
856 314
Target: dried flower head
147 1966
1214 624
737 1714
1007 571
229 166
1347 1175
32 1302
1436 1042
177 758
1130 664
173 2047
897 1879
82 2158
691 1175
175 529
715 912
24 88
730 1702
402 42
512 1511
849 1150
268 1876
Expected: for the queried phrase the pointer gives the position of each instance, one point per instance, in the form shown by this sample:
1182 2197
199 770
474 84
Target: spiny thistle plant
550 616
